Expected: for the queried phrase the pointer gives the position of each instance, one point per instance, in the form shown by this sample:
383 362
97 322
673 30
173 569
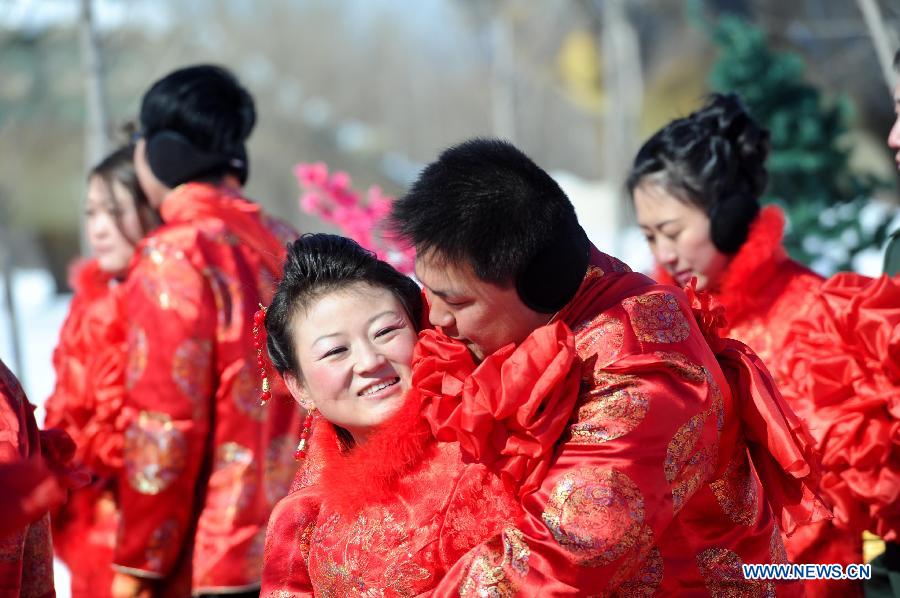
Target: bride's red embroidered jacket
390 517
675 463
204 461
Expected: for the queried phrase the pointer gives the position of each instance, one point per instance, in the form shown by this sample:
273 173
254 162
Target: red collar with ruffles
352 478
751 268
509 411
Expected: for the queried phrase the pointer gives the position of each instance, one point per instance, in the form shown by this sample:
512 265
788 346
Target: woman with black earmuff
204 461
696 187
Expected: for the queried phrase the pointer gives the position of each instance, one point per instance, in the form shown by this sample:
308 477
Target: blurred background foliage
377 88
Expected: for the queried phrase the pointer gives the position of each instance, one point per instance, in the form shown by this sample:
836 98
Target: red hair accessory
259 325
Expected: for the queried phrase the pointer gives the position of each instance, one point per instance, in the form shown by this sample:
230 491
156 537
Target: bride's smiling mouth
377 387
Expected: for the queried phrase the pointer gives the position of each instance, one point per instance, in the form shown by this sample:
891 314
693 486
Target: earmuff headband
175 160
554 275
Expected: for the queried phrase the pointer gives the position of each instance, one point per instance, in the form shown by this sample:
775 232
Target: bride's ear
298 390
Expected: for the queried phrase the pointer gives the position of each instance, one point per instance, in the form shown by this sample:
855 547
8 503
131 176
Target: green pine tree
809 170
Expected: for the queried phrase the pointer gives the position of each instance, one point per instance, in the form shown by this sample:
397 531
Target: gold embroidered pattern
594 273
280 467
165 277
687 466
695 373
657 318
360 571
685 368
233 481
722 573
137 355
610 411
642 582
160 540
603 337
479 508
777 551
736 491
155 452
229 305
245 391
596 514
498 571
191 372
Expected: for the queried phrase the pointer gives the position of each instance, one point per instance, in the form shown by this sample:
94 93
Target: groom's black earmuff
175 160
554 274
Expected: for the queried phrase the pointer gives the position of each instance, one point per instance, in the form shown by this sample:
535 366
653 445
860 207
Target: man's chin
475 350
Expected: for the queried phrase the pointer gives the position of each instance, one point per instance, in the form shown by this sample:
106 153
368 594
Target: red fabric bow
509 411
841 365
709 313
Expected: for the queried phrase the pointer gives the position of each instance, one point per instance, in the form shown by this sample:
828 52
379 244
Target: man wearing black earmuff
205 462
644 481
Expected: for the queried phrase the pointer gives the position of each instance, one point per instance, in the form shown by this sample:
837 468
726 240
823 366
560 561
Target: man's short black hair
487 203
897 61
204 103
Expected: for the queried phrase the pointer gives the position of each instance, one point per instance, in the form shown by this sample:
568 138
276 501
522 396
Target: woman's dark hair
118 166
204 103
714 159
318 264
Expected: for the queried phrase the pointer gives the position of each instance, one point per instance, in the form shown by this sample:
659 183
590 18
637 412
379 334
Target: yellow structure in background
581 71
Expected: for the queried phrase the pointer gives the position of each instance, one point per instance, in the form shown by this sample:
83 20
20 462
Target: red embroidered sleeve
285 570
169 382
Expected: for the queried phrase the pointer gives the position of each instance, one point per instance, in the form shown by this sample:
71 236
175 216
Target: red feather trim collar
751 268
354 478
87 279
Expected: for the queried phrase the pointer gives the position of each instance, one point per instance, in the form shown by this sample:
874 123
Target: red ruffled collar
87 280
752 267
353 478
511 410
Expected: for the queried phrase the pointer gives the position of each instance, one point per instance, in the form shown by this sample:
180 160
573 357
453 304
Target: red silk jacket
641 483
87 403
204 462
764 292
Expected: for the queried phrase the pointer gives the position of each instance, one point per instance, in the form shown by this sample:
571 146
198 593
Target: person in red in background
34 476
641 481
204 461
90 372
696 185
842 361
